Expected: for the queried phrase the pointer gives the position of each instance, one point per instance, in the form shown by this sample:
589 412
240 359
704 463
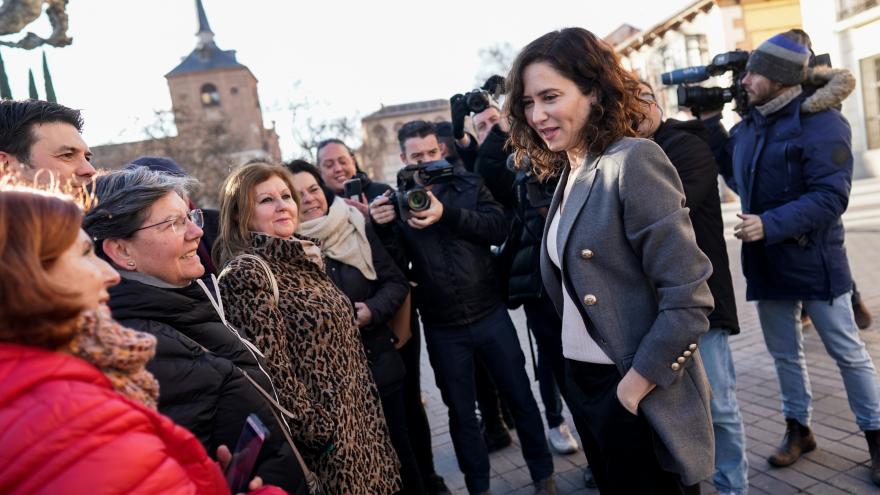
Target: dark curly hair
589 62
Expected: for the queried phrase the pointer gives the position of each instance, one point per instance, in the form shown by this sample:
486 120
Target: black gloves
460 110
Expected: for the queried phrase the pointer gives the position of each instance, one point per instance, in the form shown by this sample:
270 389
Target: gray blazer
632 264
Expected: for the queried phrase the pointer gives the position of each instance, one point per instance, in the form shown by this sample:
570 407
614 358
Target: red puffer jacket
64 430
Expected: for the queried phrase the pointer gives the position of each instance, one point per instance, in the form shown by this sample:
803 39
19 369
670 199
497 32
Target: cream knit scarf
343 235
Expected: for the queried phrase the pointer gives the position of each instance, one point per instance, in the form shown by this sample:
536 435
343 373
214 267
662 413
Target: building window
849 8
695 47
871 96
210 95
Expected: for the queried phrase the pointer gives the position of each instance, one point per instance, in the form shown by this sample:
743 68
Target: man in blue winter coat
791 163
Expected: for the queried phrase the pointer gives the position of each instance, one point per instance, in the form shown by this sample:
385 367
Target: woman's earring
130 263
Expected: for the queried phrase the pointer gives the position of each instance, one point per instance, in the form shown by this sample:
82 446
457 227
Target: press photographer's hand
459 108
422 219
382 211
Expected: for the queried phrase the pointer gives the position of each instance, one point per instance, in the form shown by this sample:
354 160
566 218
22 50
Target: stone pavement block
853 485
824 432
792 477
825 489
771 485
830 460
854 454
856 441
517 478
813 469
846 423
500 464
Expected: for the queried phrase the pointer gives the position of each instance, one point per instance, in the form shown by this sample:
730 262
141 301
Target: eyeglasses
178 224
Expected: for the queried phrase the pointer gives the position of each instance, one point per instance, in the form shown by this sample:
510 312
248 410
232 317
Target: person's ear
8 161
119 252
443 150
403 157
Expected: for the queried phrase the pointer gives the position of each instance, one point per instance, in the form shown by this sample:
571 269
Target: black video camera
700 99
479 99
411 194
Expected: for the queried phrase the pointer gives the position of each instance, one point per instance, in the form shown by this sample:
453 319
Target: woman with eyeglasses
210 378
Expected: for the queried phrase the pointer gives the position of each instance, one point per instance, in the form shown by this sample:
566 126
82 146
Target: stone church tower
210 88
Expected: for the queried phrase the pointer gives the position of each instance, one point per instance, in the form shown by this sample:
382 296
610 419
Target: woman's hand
633 387
224 457
361 205
362 314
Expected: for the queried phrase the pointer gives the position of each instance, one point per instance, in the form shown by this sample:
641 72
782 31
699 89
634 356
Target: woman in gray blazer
620 261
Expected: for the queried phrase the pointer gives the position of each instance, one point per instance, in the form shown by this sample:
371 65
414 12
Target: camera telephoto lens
417 200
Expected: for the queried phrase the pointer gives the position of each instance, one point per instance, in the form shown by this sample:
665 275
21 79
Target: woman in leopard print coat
274 288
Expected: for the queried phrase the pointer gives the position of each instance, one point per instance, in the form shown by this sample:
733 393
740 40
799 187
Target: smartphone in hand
352 189
244 457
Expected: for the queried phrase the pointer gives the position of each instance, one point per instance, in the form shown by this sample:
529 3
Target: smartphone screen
239 472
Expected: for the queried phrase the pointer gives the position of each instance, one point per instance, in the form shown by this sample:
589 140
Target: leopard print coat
315 355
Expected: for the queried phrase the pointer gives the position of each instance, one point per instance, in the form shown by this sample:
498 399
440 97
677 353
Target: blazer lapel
549 274
574 204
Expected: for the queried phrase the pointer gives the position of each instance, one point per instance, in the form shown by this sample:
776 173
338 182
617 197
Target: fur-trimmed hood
832 87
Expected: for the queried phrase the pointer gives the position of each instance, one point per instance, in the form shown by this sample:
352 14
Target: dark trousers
416 419
492 411
395 417
546 326
619 445
452 351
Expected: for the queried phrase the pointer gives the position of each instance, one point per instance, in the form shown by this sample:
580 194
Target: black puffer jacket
523 198
383 297
686 145
201 391
452 267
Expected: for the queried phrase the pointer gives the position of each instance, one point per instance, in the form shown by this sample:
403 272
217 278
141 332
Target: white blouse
576 341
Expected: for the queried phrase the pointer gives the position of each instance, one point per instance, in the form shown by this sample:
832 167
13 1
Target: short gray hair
124 198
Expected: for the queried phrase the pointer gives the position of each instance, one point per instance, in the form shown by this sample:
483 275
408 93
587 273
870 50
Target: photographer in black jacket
686 145
456 291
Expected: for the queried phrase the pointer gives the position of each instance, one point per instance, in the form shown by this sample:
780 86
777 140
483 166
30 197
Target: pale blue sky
350 57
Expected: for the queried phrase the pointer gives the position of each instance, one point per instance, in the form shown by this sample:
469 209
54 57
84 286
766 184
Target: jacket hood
832 87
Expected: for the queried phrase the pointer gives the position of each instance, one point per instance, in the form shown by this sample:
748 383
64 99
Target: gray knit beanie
783 58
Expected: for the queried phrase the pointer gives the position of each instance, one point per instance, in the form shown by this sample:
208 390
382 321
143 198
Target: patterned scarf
119 352
343 236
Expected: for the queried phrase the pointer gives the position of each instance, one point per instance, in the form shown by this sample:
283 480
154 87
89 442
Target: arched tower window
210 95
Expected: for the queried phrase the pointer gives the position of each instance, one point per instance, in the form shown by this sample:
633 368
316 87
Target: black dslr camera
479 99
700 99
411 194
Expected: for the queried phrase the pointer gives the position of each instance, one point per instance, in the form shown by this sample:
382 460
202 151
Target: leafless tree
308 130
495 59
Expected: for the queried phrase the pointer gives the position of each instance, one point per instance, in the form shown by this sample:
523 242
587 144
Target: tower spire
206 36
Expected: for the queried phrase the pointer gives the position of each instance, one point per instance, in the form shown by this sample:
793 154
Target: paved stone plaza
838 466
